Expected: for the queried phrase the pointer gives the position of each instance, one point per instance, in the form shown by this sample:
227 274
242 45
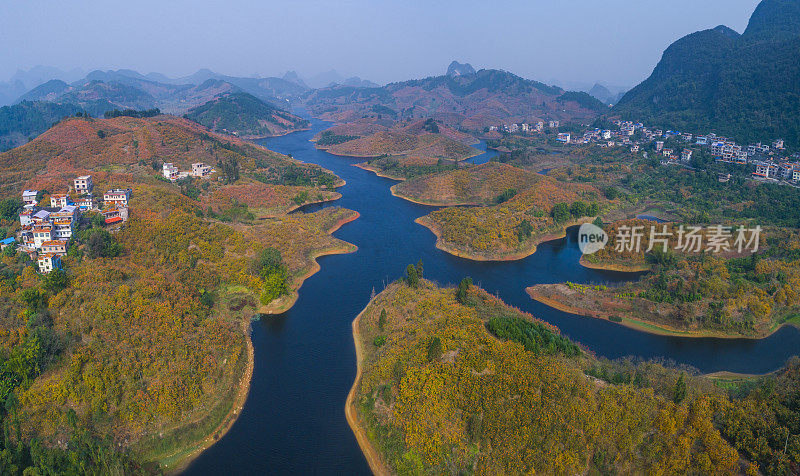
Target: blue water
293 421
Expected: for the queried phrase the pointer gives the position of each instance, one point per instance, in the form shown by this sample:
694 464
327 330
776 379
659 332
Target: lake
293 421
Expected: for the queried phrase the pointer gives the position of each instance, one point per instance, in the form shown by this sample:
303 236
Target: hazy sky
617 42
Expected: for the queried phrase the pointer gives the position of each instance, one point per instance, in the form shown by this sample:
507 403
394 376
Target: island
453 380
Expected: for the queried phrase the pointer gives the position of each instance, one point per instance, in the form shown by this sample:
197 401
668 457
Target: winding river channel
294 422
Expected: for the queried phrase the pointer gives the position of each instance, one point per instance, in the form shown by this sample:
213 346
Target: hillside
142 345
480 185
516 221
23 121
745 86
246 115
453 381
472 101
130 145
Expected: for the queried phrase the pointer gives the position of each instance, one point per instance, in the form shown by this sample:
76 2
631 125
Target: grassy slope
489 406
173 253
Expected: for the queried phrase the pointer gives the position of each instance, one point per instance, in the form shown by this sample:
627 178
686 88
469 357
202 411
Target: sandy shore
373 457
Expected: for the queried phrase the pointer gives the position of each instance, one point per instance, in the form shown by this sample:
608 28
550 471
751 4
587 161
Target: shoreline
645 326
286 302
372 456
369 168
242 392
259 137
613 267
514 256
243 385
431 204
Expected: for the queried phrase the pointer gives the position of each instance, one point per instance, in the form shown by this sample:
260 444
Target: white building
564 137
554 124
48 262
56 247
26 217
41 217
42 234
659 145
170 171
86 202
29 197
59 200
117 197
83 184
200 169
686 155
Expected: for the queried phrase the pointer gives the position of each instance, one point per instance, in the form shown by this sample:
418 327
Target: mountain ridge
746 86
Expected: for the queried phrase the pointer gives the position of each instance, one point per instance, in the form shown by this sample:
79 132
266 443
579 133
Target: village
46 231
767 162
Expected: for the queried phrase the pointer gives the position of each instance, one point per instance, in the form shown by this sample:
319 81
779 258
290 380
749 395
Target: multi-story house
200 169
564 137
169 170
117 197
60 199
29 197
48 262
26 217
85 202
42 234
58 247
41 217
83 184
686 155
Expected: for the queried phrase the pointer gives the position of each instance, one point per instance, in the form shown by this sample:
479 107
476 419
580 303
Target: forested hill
470 100
245 115
746 86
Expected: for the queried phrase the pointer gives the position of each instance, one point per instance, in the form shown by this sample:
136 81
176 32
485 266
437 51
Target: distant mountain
332 78
21 122
745 86
602 93
458 69
471 101
10 91
325 79
584 100
295 78
357 82
46 92
245 115
41 74
97 97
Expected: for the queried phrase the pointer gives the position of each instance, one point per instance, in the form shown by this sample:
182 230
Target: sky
614 42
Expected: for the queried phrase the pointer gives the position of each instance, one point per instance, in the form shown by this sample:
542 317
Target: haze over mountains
462 97
746 86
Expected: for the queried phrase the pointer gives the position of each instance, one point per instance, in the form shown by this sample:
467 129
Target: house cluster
46 231
764 157
199 170
525 127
